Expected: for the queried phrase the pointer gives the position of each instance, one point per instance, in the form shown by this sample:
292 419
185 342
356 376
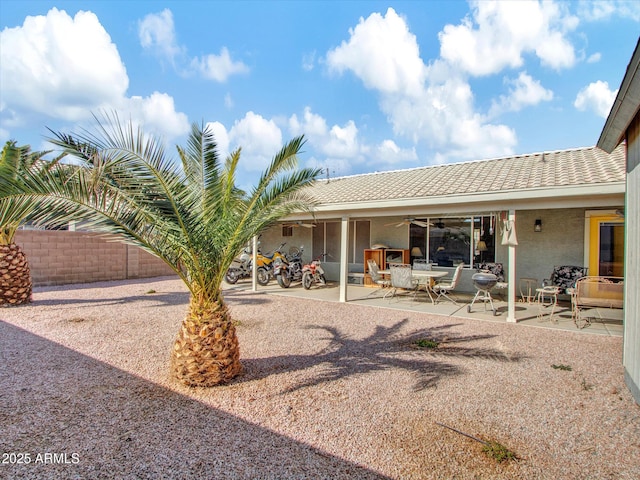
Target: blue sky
373 85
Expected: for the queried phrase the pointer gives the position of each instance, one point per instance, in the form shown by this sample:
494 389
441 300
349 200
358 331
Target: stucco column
511 290
344 258
254 265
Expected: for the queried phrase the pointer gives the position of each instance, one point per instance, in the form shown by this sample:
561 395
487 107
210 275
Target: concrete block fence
62 257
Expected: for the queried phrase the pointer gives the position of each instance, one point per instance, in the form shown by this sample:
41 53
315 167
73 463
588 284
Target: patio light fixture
537 226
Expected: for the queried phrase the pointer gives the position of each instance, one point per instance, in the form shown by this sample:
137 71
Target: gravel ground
329 391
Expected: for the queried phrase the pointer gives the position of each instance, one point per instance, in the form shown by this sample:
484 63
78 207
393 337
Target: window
605 245
484 239
287 231
326 239
450 241
611 249
359 240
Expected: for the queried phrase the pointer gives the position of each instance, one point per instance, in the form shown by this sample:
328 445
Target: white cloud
157 33
312 125
523 92
65 68
221 137
499 32
60 67
424 104
594 58
157 113
218 67
309 61
382 53
592 10
389 153
337 142
343 141
596 97
259 138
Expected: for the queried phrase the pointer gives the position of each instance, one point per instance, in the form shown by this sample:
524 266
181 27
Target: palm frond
186 210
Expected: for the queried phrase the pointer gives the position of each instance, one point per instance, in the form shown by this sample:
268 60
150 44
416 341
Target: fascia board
624 108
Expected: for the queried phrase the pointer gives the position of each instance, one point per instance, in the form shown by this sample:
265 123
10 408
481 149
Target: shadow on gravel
387 348
111 424
245 297
164 299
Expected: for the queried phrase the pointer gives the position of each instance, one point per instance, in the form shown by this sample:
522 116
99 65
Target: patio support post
511 281
344 258
254 265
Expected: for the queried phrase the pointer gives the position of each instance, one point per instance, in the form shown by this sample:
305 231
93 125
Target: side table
528 288
547 297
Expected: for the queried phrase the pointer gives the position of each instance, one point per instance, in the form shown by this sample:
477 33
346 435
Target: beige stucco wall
561 241
302 237
63 257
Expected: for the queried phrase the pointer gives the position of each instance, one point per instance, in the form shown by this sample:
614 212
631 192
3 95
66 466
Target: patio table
424 278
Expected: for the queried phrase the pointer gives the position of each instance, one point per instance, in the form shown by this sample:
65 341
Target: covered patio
526 314
567 208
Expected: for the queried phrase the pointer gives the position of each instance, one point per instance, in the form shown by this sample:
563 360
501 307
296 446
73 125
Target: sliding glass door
606 246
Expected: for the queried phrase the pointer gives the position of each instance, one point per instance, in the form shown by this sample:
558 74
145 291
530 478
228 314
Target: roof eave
624 108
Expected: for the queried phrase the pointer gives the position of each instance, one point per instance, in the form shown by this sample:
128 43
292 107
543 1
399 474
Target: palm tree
16 285
188 213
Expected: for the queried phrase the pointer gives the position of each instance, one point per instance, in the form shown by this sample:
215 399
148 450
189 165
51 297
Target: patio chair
401 278
565 277
376 277
444 287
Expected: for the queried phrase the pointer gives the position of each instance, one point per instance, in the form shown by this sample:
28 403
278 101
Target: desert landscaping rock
329 390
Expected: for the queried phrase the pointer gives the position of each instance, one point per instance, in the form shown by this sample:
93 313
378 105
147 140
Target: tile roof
583 166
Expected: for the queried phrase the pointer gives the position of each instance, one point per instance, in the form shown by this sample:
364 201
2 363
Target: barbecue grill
483 282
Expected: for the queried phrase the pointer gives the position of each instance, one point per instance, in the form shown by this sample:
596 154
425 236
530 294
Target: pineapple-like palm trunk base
206 351
15 276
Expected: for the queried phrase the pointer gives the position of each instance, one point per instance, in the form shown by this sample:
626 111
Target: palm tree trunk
206 351
15 276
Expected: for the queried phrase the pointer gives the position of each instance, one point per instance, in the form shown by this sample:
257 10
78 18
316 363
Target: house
623 124
558 202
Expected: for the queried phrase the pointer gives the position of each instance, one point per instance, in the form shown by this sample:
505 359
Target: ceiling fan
409 221
299 224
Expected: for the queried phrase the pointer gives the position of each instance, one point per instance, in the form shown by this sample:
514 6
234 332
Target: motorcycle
267 261
313 273
242 267
288 269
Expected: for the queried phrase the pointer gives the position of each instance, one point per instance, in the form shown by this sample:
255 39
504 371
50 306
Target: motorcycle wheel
306 281
283 280
231 277
263 276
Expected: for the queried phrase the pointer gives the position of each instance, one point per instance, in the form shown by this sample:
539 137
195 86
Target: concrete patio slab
530 314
